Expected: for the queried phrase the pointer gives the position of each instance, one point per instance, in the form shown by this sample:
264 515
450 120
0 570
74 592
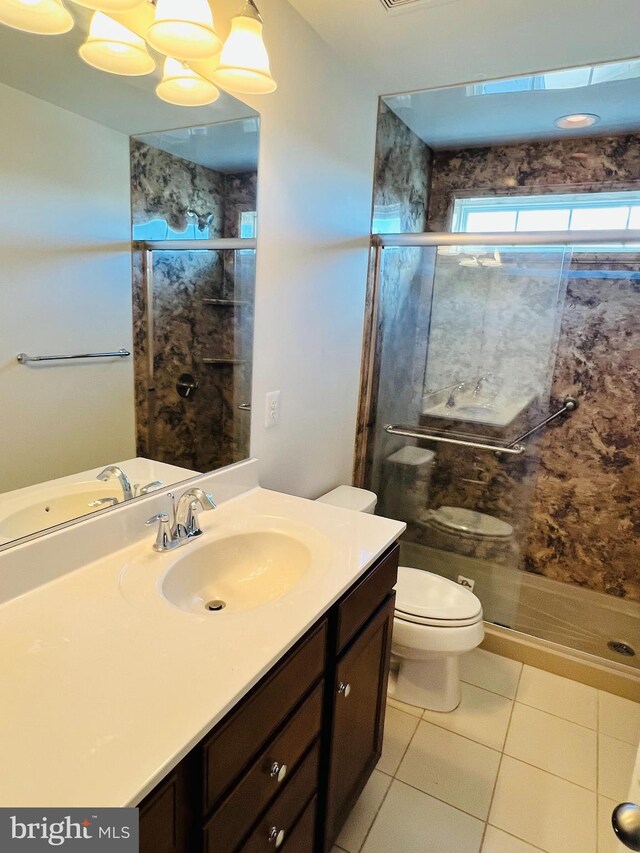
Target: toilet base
432 683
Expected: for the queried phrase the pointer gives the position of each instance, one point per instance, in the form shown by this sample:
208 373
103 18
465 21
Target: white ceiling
49 68
466 40
230 146
463 116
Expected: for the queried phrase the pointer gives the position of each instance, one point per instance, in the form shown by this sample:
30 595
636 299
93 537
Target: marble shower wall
585 519
600 164
205 431
403 165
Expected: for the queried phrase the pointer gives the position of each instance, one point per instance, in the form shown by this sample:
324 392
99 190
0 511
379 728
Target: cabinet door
359 702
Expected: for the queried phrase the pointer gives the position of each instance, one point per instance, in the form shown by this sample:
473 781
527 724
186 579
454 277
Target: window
248 224
387 219
577 212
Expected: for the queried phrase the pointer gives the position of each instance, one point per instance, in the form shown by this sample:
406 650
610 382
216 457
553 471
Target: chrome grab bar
392 429
514 448
23 358
569 404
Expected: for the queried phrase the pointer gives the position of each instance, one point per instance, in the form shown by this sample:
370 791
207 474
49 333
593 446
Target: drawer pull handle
344 689
276 837
278 771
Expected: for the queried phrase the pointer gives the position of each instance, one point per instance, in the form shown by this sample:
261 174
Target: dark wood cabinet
284 768
358 717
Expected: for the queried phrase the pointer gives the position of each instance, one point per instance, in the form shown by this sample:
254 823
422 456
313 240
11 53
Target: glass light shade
180 85
110 5
112 47
244 62
184 29
44 17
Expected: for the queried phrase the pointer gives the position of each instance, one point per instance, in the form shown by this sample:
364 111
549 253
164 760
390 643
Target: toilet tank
349 497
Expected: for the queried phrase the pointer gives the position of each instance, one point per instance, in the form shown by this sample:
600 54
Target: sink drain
621 648
215 605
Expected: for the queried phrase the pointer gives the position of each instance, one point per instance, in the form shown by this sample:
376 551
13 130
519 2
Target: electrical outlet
272 413
469 583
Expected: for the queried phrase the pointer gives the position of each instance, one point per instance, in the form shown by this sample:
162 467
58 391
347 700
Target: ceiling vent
411 5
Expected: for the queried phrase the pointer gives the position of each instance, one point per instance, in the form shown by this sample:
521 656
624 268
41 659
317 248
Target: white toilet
436 621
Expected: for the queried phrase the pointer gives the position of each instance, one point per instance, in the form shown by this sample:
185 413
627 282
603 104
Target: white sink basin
238 572
236 566
47 507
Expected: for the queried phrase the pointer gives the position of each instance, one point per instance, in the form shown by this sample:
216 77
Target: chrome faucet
117 473
184 524
479 384
452 399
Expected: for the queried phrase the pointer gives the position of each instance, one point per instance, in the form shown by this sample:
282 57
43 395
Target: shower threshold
568 616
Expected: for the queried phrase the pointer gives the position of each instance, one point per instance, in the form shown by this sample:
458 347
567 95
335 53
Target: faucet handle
164 538
102 502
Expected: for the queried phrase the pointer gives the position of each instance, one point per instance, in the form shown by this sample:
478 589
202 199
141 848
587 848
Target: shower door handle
626 824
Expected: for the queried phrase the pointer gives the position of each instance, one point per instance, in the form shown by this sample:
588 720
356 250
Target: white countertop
105 686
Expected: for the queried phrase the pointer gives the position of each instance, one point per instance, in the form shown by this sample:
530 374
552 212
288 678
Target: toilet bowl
435 621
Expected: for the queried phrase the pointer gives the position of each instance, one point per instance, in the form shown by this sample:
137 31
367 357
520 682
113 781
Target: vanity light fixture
42 17
184 29
113 48
577 120
110 5
244 62
181 86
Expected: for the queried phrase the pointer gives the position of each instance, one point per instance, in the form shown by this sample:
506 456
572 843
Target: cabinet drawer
236 815
368 595
283 814
237 741
302 836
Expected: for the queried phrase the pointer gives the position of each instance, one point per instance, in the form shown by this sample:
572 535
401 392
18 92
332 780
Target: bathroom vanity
285 767
252 727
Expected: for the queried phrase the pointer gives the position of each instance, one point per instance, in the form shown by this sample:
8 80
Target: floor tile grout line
488 689
495 782
364 840
438 799
466 737
501 751
550 773
418 721
516 837
557 716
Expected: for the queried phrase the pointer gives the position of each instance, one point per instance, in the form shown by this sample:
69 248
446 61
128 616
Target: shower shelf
224 303
223 362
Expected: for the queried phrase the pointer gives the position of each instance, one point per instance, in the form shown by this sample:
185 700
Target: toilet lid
429 596
469 521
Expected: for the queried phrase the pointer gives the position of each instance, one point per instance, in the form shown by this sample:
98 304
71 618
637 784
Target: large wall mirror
128 239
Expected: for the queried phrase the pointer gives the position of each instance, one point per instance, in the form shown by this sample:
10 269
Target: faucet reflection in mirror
122 32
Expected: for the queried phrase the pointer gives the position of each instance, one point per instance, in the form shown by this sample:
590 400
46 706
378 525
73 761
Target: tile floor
529 762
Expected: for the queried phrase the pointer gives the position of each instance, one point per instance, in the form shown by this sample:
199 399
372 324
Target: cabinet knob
278 771
276 837
344 689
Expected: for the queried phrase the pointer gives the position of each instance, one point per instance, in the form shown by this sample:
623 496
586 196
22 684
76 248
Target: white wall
65 286
317 142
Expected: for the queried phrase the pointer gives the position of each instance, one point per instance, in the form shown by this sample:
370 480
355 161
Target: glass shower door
465 353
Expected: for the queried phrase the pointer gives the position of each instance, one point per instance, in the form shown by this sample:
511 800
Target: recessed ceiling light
577 120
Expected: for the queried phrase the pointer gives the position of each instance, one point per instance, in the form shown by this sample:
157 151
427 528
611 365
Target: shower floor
571 616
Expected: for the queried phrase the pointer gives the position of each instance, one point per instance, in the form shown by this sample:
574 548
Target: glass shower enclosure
502 402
